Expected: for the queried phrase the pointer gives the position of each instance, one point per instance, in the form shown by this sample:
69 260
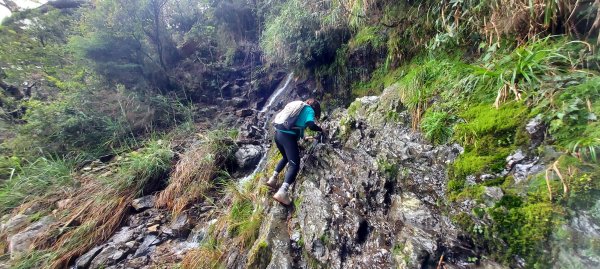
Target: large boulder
22 242
15 223
248 156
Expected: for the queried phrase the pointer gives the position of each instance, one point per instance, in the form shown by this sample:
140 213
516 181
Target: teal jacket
306 115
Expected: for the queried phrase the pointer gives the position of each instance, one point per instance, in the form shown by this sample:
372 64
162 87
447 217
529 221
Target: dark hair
315 106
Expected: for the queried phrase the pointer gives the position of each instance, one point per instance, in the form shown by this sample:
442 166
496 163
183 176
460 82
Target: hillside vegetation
156 90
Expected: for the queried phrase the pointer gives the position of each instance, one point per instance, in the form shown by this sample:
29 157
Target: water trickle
277 93
266 119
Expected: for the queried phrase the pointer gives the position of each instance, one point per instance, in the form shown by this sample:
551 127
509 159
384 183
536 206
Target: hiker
288 131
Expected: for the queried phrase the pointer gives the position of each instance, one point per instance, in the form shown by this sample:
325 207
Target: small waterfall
276 94
267 118
198 233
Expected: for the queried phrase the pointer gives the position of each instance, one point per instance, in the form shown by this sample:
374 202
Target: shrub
436 126
293 36
93 123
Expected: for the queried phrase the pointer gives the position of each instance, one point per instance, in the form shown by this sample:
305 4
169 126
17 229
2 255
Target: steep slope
371 200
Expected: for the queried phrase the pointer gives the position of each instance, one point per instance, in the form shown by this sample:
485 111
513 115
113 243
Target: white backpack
286 118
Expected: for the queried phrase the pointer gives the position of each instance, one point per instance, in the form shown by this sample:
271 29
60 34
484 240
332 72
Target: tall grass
97 207
437 126
35 180
523 72
196 171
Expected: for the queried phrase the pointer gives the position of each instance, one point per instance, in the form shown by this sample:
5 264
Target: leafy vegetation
81 83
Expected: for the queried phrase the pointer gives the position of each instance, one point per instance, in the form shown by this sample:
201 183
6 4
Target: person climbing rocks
293 119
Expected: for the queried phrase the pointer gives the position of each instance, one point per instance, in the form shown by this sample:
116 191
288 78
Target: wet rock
104 258
199 232
368 100
244 113
522 171
536 129
314 216
22 242
138 262
411 211
248 156
85 260
15 223
124 234
470 180
272 250
147 244
415 247
143 202
239 102
514 158
181 225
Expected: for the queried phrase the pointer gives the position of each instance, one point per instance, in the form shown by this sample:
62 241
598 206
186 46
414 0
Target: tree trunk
10 5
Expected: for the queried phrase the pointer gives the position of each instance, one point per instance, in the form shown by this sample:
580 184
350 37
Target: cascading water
198 234
267 117
277 93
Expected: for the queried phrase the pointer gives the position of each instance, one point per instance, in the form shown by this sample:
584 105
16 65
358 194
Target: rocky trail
372 195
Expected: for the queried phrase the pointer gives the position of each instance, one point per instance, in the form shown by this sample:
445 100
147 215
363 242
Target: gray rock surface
15 223
247 156
22 242
86 259
143 202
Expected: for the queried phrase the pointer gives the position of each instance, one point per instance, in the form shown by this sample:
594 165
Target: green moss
380 79
494 182
470 163
391 116
397 249
324 239
353 108
483 119
370 35
463 220
488 135
469 192
259 256
525 229
455 185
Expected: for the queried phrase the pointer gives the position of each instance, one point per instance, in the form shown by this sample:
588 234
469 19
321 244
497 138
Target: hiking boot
282 196
272 182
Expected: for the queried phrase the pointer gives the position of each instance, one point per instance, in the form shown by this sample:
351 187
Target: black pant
288 146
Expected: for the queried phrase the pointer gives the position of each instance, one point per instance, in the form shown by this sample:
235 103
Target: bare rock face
85 260
22 242
369 200
143 202
15 223
272 249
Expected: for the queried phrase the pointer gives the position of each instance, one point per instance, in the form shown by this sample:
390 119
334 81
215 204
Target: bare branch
10 5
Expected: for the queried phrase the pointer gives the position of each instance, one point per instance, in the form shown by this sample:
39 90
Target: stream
266 118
